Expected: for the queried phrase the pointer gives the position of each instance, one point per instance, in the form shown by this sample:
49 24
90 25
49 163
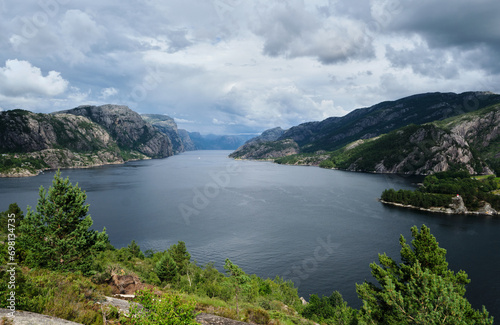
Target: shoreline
441 210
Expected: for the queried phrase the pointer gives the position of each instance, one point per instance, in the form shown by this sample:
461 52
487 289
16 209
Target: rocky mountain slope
364 123
167 125
128 128
470 141
82 137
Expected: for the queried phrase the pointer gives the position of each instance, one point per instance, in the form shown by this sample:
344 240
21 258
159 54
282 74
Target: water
320 228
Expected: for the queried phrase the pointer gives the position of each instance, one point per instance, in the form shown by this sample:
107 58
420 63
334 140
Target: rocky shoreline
487 210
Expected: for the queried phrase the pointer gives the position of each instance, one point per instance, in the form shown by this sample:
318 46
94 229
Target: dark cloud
450 23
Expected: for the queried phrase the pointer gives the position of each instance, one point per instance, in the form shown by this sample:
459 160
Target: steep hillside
128 128
470 141
167 125
82 137
364 123
30 142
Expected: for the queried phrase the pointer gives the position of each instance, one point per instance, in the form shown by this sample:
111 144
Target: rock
29 318
125 284
457 205
208 319
166 125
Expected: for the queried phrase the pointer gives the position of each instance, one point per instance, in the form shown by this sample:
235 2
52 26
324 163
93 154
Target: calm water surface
320 228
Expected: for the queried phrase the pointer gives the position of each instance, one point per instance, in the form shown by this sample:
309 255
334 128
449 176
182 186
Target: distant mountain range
89 136
419 134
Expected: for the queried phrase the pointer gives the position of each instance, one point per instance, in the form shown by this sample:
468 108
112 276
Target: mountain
469 141
267 146
217 142
364 123
186 140
167 125
128 128
82 137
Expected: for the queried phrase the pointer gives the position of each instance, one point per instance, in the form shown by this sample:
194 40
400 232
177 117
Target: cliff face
82 137
166 125
30 142
187 143
23 131
469 141
128 128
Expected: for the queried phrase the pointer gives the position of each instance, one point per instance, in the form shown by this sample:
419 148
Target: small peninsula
451 192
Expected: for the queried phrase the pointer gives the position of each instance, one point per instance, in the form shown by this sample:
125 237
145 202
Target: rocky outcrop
128 128
166 125
267 150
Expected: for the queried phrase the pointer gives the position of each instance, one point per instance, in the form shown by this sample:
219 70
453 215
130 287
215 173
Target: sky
243 66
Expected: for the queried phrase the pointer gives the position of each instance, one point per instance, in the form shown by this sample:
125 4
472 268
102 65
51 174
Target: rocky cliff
82 137
128 128
166 125
470 141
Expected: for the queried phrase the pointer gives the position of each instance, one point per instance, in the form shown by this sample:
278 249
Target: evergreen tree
181 256
57 235
420 290
166 268
239 278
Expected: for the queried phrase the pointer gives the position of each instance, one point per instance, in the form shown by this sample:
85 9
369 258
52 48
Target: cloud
291 31
423 61
20 78
108 92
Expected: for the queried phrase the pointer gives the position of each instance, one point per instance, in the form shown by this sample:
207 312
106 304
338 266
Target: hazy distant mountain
217 142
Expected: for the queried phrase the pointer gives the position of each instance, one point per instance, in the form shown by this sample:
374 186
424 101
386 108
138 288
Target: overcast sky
243 66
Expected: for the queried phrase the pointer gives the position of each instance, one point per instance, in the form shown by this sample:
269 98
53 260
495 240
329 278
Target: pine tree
57 235
420 290
166 268
181 256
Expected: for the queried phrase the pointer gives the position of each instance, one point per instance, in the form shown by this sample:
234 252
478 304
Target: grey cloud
448 23
435 64
291 31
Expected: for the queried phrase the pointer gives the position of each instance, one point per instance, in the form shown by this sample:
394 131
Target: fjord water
320 228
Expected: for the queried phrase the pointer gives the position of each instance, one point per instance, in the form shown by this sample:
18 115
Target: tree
329 310
238 276
58 235
135 250
420 290
166 268
180 255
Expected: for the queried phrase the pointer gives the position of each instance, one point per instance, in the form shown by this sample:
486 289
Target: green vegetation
438 190
57 235
12 162
66 268
419 290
